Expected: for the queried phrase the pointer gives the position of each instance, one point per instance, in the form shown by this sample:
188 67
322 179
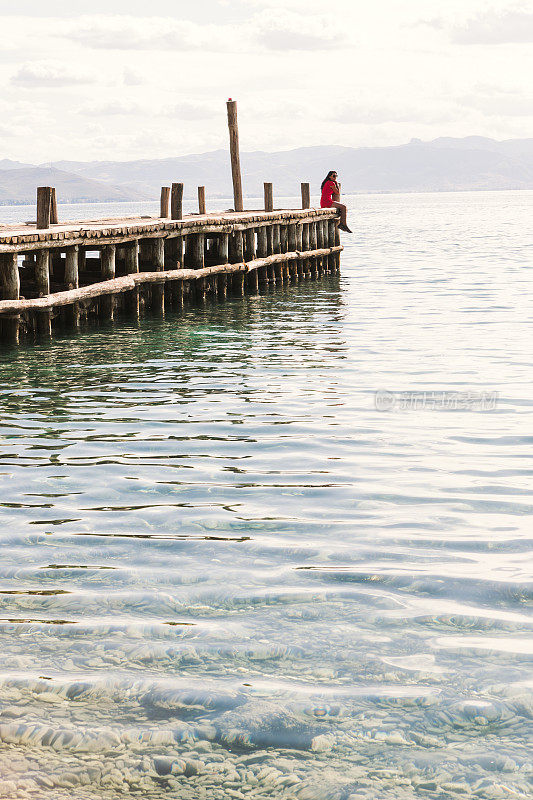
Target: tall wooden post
201 200
44 202
306 195
54 219
235 155
165 202
269 197
176 202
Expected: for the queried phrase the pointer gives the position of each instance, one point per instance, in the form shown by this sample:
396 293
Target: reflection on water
225 573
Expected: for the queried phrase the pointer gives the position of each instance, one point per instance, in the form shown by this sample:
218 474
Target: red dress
330 188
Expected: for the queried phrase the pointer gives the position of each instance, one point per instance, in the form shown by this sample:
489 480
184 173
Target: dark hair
328 177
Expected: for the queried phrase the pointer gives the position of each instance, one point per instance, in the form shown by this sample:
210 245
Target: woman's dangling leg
342 209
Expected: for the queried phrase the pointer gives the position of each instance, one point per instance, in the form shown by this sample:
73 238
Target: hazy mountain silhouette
18 186
445 164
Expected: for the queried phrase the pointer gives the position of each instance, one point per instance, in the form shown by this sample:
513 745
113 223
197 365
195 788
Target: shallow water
226 572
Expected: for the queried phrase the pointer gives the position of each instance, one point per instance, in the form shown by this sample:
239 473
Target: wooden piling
176 202
249 244
306 263
197 261
269 197
131 259
201 200
165 202
313 246
235 155
223 258
72 281
42 285
44 202
332 259
10 290
9 276
158 264
306 195
107 303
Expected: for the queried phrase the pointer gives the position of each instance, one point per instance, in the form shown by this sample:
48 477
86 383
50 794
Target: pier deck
67 272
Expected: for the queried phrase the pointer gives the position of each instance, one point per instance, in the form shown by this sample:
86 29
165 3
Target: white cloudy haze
121 80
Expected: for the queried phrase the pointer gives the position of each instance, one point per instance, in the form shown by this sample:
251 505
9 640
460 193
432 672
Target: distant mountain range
445 164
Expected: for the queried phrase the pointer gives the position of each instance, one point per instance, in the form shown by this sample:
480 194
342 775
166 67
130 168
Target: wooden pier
55 274
61 274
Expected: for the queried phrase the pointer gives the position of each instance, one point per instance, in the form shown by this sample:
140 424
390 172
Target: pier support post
320 244
269 197
331 243
223 258
305 247
284 245
107 302
262 251
235 155
196 242
176 201
299 248
312 246
158 293
291 232
10 290
262 242
252 280
42 284
131 260
337 244
276 249
249 244
174 252
72 281
165 202
306 195
237 257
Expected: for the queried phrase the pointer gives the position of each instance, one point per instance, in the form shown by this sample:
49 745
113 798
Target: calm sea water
229 568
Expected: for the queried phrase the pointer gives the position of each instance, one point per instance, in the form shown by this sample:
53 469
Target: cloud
192 111
369 113
508 27
137 33
132 78
495 102
112 108
285 30
42 73
273 29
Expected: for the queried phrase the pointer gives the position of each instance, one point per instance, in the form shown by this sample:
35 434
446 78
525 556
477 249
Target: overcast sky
120 80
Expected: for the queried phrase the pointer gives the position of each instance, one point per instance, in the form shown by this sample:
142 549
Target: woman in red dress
330 198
